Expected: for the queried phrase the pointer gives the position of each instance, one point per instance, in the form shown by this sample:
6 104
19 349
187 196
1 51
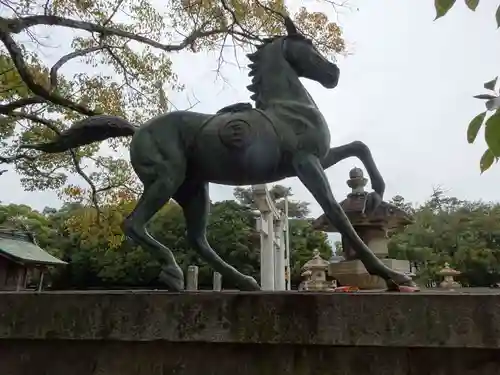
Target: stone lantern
448 273
372 228
314 273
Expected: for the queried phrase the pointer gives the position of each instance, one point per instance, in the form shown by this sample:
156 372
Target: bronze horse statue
177 154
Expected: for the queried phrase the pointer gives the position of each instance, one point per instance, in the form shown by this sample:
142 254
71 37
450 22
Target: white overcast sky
406 91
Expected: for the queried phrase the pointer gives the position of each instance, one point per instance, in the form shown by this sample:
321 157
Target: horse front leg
309 170
362 152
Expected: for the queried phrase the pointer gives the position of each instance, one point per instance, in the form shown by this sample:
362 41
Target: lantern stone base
353 273
317 285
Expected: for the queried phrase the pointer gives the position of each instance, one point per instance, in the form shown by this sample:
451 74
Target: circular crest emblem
235 134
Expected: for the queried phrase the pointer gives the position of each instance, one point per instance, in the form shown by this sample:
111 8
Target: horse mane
255 68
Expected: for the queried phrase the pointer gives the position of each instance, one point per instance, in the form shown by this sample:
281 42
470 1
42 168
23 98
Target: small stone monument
192 278
217 282
448 273
314 274
372 229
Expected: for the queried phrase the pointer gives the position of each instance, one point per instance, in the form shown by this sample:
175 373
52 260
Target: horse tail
89 130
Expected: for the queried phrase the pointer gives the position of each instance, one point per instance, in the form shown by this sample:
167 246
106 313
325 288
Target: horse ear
290 26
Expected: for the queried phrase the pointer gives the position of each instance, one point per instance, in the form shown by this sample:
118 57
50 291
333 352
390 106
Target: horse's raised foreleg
362 152
194 200
309 170
154 197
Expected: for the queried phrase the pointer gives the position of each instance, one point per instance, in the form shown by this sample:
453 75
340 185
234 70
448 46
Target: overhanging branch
63 60
5 109
37 89
16 25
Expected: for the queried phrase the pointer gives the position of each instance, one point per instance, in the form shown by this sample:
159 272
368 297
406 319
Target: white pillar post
267 252
279 257
286 238
273 251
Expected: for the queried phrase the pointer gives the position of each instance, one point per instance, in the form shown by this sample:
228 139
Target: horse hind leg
195 202
154 197
161 174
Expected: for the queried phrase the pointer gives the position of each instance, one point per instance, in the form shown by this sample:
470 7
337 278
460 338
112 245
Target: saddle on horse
237 107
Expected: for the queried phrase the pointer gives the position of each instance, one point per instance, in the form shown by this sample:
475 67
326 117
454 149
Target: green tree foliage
100 256
490 118
446 229
400 202
122 52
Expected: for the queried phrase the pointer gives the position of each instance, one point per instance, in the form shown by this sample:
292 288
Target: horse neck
276 83
283 86
286 100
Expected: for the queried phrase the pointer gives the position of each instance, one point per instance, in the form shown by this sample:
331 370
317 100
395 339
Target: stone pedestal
353 273
372 227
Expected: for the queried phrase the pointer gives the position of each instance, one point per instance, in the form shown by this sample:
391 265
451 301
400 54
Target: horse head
305 58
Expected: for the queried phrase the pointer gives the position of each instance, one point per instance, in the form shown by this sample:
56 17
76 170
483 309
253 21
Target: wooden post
19 280
25 278
40 284
217 282
192 278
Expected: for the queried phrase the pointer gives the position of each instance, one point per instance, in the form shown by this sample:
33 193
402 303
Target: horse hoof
249 284
173 277
407 286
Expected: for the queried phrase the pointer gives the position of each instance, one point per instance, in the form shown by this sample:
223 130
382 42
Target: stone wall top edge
363 319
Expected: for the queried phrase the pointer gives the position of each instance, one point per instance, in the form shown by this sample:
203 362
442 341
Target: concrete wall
146 333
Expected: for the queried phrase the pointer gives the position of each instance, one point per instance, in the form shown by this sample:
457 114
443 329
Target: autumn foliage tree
121 52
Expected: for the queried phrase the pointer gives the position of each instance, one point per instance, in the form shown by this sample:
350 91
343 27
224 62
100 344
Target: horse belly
237 149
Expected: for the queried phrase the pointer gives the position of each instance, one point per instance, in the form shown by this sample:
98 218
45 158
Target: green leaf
484 96
486 160
472 4
492 133
442 7
490 85
493 104
497 16
474 127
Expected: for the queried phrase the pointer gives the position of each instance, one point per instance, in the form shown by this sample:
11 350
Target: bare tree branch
117 6
12 106
16 25
11 159
63 60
